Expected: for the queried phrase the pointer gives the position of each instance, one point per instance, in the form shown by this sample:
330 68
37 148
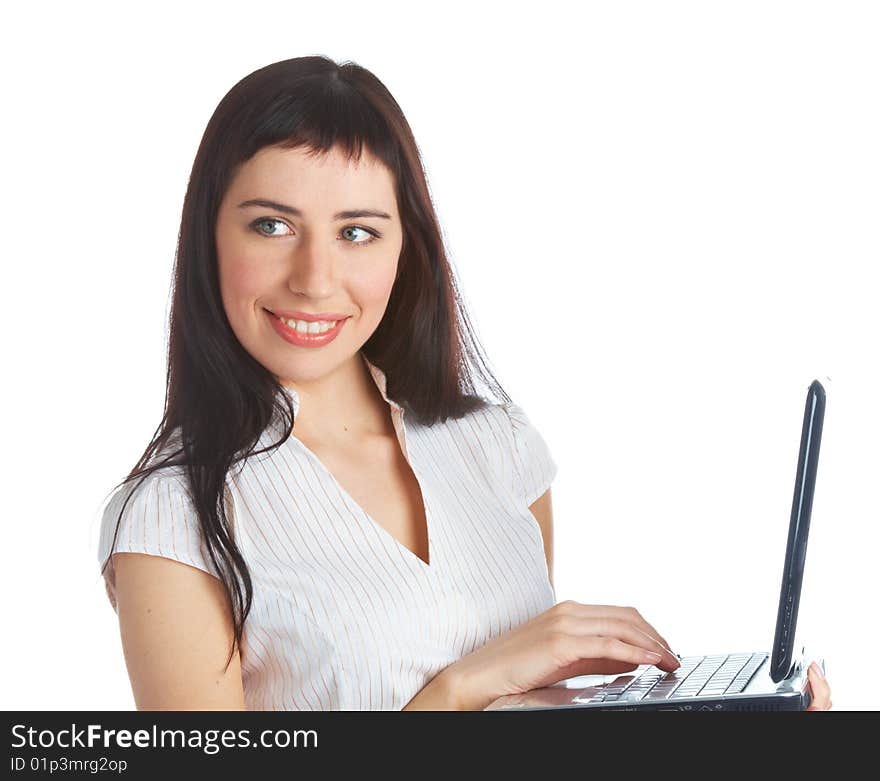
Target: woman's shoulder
154 514
504 436
491 419
165 480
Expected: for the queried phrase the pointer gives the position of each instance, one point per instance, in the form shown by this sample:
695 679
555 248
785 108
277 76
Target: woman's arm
542 509
176 632
442 692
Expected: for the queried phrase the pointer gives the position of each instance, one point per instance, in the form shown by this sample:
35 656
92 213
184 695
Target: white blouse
345 617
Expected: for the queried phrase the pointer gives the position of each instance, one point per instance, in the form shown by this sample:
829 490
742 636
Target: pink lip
294 337
328 317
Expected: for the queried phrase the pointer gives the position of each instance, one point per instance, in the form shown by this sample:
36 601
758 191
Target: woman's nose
313 269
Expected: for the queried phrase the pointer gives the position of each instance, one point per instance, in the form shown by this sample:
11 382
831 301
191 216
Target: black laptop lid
781 659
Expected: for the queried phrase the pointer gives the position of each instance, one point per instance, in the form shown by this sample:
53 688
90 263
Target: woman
329 515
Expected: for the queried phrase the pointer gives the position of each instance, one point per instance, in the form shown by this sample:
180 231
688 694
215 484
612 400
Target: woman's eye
256 226
371 236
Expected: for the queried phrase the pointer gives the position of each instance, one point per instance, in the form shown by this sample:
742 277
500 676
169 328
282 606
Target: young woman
330 516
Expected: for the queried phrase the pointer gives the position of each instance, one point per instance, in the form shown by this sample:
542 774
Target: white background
664 217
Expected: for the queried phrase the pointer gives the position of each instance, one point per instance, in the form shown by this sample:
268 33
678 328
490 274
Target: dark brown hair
424 343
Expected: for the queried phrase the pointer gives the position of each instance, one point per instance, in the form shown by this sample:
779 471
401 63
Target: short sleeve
532 466
159 519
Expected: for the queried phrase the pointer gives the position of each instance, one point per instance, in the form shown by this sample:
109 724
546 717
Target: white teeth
303 327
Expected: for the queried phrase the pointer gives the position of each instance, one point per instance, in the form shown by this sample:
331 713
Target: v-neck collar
397 415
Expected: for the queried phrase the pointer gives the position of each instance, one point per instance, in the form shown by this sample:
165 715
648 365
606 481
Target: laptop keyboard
697 676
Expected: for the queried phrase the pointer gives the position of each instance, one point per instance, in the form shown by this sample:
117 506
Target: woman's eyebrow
281 207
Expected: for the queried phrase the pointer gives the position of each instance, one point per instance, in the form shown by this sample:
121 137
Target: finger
623 629
669 659
605 647
626 614
596 667
820 689
821 692
818 681
612 667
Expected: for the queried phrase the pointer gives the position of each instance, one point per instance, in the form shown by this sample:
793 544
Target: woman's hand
820 688
568 640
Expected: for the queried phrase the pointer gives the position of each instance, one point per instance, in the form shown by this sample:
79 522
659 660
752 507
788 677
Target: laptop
750 681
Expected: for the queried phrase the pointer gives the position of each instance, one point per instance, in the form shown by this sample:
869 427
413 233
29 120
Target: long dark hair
424 343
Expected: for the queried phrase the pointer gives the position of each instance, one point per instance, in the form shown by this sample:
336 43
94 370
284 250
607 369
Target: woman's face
299 255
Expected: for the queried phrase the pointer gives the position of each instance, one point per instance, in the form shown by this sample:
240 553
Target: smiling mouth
307 327
314 334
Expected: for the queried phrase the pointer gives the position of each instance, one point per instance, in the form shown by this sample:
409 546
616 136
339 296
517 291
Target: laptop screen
781 660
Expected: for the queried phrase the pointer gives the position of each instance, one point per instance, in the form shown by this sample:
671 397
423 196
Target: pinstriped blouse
345 617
